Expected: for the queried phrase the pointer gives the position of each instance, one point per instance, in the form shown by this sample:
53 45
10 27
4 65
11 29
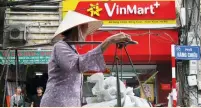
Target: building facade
152 23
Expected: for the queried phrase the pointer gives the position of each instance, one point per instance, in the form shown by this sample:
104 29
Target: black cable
189 23
187 19
197 37
118 84
136 75
16 65
5 86
198 6
115 54
121 65
182 91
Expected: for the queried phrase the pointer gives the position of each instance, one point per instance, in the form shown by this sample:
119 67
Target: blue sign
187 52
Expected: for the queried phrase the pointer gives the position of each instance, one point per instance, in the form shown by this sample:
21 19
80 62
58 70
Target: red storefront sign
126 13
128 10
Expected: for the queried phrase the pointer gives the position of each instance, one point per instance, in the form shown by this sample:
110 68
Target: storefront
151 23
32 72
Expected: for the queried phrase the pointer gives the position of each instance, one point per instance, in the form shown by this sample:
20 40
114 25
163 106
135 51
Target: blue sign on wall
187 52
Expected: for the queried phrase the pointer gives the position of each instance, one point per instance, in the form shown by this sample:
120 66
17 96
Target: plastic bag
106 93
97 78
111 82
110 94
127 102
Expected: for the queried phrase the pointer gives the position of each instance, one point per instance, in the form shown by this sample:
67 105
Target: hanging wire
16 64
160 35
115 55
6 78
118 84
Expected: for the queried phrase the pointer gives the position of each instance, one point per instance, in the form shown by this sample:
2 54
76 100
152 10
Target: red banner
128 10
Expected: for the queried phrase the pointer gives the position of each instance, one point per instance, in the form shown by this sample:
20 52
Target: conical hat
73 19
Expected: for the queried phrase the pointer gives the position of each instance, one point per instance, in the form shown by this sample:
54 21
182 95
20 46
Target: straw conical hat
73 19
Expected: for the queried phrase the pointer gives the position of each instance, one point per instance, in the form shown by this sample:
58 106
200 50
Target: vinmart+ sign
136 13
130 9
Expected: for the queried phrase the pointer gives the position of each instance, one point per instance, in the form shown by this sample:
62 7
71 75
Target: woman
66 66
17 100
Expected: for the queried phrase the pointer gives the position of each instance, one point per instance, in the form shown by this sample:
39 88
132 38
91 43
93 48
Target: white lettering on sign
188 49
124 10
181 54
191 55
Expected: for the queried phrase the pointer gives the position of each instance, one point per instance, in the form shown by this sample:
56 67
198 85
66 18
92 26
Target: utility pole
193 39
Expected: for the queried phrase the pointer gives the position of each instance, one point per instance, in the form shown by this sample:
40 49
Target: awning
26 56
154 45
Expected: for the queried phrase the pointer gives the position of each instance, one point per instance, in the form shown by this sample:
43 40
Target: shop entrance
36 76
35 82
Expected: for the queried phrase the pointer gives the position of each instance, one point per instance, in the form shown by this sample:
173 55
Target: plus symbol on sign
156 4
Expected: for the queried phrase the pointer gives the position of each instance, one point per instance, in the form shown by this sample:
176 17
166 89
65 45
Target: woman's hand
120 37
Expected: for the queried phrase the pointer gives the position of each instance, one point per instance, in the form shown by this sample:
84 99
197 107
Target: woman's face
74 36
19 90
84 28
79 31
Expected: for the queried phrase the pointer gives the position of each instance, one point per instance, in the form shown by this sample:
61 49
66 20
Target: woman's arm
120 37
104 45
93 60
68 60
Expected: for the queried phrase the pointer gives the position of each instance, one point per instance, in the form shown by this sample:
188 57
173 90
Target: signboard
187 52
126 13
149 90
26 56
165 86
